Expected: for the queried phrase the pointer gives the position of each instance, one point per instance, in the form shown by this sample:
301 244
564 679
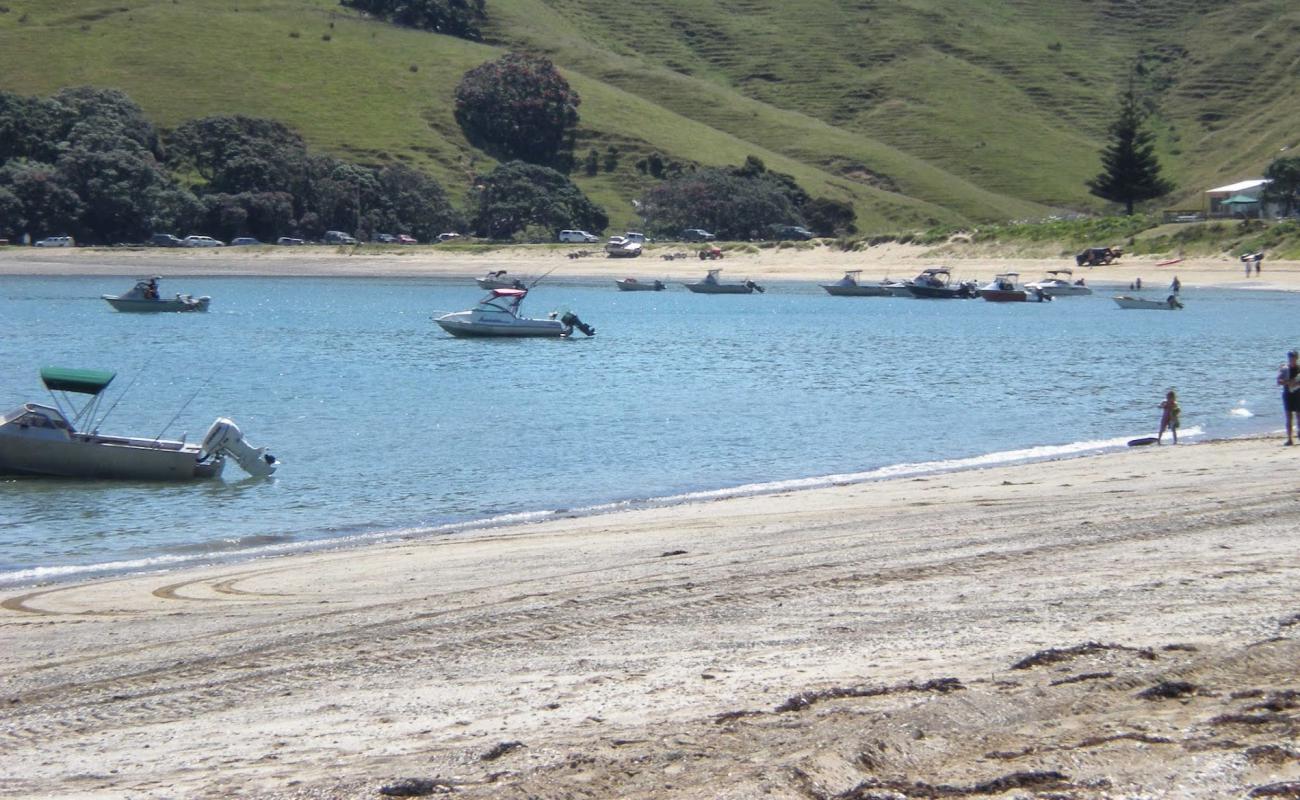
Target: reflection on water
384 422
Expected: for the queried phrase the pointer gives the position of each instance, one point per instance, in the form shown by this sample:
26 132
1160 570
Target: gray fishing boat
144 298
711 285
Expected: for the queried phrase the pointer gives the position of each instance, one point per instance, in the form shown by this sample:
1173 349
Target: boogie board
1169 263
1145 440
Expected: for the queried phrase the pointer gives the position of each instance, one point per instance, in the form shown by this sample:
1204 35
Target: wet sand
1118 626
820 263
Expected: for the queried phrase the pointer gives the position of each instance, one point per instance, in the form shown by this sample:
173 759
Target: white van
581 237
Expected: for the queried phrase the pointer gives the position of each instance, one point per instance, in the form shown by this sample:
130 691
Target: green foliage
463 18
518 107
1284 174
828 217
1130 173
517 195
733 203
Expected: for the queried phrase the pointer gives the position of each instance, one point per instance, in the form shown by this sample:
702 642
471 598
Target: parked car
195 240
404 239
581 237
633 236
447 237
289 240
55 241
165 240
385 238
243 241
697 235
339 237
792 232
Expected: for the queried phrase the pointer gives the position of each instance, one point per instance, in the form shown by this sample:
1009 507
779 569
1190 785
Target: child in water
1169 417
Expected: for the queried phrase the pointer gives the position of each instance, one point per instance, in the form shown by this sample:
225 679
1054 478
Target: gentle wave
253 547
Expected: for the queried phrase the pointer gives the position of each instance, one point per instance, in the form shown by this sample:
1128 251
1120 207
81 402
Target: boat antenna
185 405
94 428
543 275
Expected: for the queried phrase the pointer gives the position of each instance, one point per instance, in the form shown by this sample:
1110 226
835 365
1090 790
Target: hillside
921 113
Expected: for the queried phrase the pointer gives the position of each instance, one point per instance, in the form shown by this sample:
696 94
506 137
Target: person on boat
1169 416
1289 379
151 290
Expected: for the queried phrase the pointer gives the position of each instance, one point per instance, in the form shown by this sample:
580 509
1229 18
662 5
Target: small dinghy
711 285
498 280
1170 303
144 298
634 285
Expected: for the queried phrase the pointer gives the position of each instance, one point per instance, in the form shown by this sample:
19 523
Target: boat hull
628 285
1060 291
104 457
1004 295
1149 305
490 329
940 292
719 288
141 306
858 291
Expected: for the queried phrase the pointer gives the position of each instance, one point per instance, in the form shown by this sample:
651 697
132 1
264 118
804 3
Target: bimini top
82 381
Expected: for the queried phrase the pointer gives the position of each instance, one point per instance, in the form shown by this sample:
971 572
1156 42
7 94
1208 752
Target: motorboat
634 285
498 279
1170 303
1060 283
622 247
711 285
937 283
38 439
851 286
497 315
144 297
1004 288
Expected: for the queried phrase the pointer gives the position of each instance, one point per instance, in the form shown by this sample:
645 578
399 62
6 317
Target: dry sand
1119 626
821 263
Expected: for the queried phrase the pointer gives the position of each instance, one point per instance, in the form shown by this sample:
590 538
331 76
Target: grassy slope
921 112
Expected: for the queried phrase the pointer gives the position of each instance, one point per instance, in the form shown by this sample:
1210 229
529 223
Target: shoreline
820 264
166 563
941 630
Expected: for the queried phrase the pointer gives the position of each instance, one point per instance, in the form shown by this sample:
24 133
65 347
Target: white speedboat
1004 288
37 439
144 297
1170 303
622 247
851 286
1060 283
497 314
711 285
499 280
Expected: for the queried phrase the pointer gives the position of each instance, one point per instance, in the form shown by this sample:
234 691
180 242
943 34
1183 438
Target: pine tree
1130 172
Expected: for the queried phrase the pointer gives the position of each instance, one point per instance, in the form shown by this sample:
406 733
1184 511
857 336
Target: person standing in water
1169 416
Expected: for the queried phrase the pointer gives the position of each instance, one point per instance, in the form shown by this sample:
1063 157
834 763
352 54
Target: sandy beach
822 264
1117 626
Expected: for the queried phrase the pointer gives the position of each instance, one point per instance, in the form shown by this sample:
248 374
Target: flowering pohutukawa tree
518 107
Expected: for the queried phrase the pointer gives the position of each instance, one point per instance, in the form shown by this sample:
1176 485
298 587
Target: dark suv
697 235
164 240
792 232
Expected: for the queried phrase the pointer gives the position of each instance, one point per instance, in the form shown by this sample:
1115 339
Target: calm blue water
385 424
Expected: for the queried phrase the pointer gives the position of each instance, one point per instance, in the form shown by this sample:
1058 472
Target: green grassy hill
920 112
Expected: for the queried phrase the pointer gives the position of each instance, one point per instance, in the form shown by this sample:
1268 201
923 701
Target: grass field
922 113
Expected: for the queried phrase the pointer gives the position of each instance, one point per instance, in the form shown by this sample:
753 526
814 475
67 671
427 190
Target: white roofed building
1243 199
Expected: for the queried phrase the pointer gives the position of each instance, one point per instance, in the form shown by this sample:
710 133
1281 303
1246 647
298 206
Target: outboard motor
571 321
225 437
755 287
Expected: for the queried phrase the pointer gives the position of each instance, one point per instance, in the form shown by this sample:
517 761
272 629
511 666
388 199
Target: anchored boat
497 314
1170 303
711 285
1060 283
1005 289
634 285
144 297
851 286
937 283
37 439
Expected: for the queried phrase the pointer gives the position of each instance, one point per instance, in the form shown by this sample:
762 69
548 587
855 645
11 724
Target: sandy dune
1118 626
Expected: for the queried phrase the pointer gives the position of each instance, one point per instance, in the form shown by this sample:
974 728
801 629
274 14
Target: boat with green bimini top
39 439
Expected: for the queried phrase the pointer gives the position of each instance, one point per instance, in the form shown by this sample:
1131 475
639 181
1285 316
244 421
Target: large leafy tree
1284 183
518 107
733 203
462 18
1130 172
517 195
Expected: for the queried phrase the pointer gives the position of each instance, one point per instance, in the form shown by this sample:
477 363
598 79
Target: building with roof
1241 200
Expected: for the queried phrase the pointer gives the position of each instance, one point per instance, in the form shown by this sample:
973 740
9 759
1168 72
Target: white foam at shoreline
161 562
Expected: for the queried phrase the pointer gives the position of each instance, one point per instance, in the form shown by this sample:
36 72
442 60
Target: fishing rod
543 275
95 425
186 405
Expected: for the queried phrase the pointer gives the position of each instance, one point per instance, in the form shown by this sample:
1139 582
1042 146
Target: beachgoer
1176 285
1259 259
1246 260
1137 284
1289 379
1169 416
